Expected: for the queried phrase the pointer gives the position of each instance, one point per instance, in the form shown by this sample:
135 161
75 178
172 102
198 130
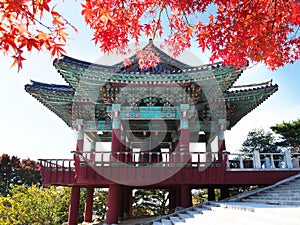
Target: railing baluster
241 162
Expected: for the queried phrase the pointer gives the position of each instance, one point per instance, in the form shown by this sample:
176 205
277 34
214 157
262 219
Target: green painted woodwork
116 123
99 91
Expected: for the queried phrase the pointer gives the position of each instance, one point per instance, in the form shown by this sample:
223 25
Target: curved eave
57 98
77 75
242 102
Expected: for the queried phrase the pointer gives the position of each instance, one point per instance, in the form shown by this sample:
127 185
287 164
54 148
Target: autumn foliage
236 31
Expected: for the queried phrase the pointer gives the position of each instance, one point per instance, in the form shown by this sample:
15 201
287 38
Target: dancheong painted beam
166 127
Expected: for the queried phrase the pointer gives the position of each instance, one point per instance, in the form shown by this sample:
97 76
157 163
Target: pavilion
165 124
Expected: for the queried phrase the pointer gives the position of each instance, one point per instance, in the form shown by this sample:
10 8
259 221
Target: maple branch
168 18
275 12
30 16
158 21
295 33
184 14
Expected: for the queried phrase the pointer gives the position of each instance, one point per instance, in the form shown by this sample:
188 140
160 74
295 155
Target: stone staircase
285 192
278 204
229 214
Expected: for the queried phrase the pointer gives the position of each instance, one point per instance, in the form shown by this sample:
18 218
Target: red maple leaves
21 28
236 32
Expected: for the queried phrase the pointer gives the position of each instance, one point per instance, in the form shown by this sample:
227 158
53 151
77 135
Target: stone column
89 200
288 159
256 160
74 206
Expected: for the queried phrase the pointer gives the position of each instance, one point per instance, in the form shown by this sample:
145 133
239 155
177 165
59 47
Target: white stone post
256 160
288 159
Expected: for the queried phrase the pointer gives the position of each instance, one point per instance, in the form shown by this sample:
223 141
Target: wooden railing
154 159
283 160
58 164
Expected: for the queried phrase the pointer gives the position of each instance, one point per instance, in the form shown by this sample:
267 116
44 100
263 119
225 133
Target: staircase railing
256 160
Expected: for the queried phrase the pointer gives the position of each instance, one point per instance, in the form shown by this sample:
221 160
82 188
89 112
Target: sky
30 130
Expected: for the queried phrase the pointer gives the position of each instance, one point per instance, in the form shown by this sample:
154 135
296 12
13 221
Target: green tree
150 202
260 140
14 171
289 133
100 202
35 206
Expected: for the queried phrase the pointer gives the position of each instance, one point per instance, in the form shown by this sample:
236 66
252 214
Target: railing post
241 162
256 159
272 161
288 159
267 162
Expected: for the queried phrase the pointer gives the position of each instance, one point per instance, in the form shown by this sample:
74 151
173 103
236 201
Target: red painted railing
58 171
103 167
161 159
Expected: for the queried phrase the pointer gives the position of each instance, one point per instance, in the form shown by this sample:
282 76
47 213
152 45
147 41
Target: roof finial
150 41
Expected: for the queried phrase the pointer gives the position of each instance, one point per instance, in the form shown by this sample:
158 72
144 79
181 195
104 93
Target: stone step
184 216
266 197
166 222
197 209
225 216
282 191
271 215
273 202
288 187
156 223
176 220
278 194
191 212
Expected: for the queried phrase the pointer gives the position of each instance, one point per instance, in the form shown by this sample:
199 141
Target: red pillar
127 202
224 192
114 206
80 139
79 144
172 199
74 206
121 202
184 134
186 196
88 210
92 152
211 194
116 191
178 196
221 138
